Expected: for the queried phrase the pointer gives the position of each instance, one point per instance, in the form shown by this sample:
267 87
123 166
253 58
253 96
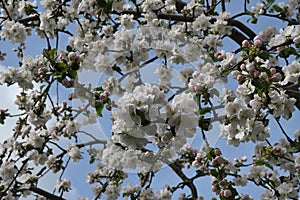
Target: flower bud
245 43
217 152
240 78
227 193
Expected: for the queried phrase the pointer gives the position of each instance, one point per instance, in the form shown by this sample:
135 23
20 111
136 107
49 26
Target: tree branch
242 27
45 193
188 182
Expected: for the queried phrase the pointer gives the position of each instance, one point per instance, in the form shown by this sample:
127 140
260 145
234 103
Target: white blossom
74 152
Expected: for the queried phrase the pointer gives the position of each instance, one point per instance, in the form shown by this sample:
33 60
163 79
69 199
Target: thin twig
283 131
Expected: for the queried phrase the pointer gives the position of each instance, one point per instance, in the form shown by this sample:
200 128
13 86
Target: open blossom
255 103
286 190
112 192
229 60
183 114
267 33
240 180
164 194
292 72
232 109
164 74
63 185
200 81
127 21
138 108
48 24
185 74
8 171
257 172
260 8
201 23
36 140
14 31
74 152
111 85
289 33
281 104
116 158
151 5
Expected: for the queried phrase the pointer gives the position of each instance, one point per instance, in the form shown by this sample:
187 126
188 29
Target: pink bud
196 164
198 156
240 78
258 43
245 43
102 96
155 90
243 66
106 93
62 56
64 103
41 70
277 148
223 182
273 70
191 87
215 189
276 77
72 81
65 83
263 75
257 38
198 88
168 107
244 159
217 152
250 67
227 193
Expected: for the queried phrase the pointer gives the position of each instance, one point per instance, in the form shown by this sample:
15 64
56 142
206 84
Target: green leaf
58 76
214 92
204 110
269 165
295 148
75 66
1 120
61 66
117 69
52 53
99 89
69 48
254 20
92 160
105 4
41 87
259 162
3 117
73 74
245 49
277 8
264 55
214 172
99 107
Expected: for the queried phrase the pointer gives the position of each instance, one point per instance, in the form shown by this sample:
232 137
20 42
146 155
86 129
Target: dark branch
45 193
243 28
188 182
